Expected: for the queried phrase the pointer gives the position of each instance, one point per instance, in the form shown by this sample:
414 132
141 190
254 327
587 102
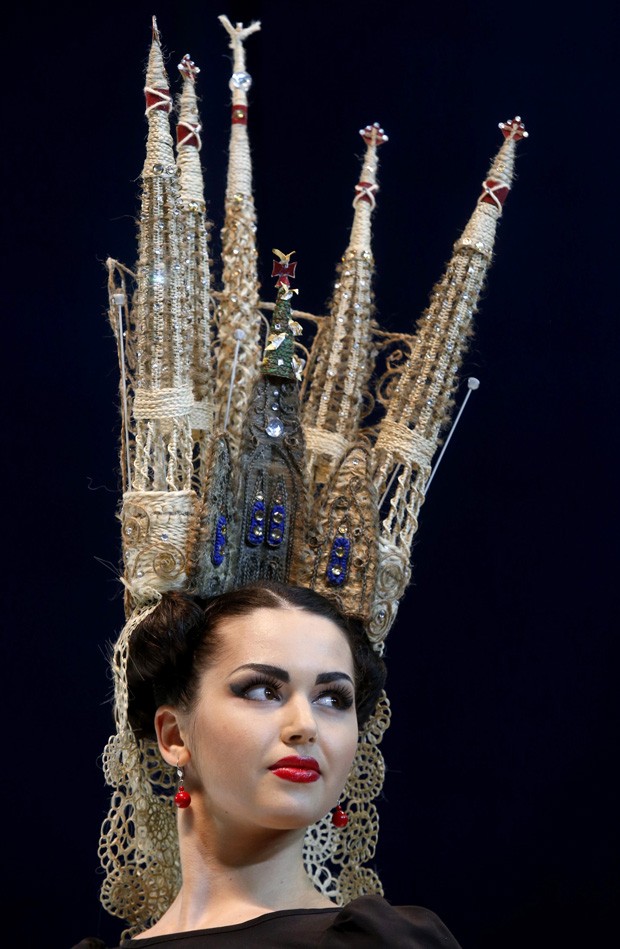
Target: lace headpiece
251 451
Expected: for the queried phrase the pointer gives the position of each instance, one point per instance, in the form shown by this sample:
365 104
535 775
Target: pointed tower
211 455
195 253
158 502
421 398
343 354
238 350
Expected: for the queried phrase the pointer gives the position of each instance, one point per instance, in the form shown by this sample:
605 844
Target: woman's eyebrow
332 677
283 675
275 671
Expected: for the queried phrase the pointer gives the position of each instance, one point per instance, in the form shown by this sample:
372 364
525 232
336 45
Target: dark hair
171 647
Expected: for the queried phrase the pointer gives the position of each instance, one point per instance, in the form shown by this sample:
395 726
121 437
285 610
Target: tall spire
238 316
343 355
158 502
420 399
195 255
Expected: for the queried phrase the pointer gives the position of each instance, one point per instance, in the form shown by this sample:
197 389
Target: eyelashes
264 688
341 696
267 683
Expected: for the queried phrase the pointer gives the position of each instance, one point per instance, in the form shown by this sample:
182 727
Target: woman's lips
299 770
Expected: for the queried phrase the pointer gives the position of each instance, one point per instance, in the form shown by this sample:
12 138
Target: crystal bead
240 80
274 427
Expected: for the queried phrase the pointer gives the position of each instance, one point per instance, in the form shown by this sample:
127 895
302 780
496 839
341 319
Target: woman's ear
170 732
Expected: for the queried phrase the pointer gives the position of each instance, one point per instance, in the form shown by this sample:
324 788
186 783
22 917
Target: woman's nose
299 723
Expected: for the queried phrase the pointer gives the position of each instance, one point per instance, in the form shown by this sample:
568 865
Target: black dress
366 923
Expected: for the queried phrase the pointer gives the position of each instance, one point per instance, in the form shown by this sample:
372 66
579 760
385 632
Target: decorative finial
374 134
188 68
238 32
514 129
156 90
496 187
366 189
284 269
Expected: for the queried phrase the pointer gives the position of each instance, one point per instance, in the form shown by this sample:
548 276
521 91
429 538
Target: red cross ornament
494 192
189 134
366 191
283 268
157 100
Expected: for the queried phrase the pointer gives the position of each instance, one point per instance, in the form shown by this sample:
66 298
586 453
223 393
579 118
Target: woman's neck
232 875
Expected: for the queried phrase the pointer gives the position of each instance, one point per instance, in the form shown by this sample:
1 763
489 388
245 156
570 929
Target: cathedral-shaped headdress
248 453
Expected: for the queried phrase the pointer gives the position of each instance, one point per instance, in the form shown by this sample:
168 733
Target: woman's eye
335 700
260 693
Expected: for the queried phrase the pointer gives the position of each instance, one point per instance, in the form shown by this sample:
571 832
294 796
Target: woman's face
273 731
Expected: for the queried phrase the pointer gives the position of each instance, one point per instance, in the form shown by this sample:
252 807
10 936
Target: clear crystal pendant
274 427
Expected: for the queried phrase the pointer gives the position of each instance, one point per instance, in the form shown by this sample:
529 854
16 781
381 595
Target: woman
257 698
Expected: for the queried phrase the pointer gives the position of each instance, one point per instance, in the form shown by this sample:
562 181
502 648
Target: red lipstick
299 770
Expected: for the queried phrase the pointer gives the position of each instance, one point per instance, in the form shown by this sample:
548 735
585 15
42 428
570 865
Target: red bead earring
182 798
339 818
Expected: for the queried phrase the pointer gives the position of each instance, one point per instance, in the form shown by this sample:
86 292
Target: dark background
500 802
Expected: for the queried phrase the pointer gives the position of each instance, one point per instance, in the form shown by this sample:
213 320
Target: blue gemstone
338 563
277 525
219 544
256 532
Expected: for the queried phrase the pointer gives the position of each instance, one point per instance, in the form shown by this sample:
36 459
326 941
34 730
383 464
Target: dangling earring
182 798
339 817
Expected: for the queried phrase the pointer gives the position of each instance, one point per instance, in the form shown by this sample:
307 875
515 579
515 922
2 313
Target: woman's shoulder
374 922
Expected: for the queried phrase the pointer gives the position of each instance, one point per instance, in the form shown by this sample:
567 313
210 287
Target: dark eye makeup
339 696
245 686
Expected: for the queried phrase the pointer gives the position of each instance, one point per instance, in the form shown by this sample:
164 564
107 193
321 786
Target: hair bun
160 657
